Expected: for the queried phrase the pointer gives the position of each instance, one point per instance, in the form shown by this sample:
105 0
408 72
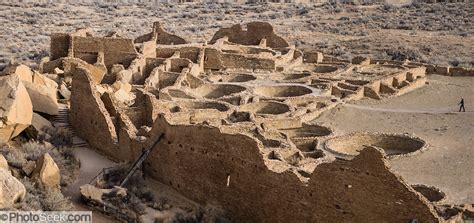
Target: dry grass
343 30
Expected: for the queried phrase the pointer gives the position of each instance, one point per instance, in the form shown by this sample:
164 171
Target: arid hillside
439 33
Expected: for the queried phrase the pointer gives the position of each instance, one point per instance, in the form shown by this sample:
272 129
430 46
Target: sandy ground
430 113
91 164
435 33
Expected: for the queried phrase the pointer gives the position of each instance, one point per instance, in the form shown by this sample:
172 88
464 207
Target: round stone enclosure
324 69
176 93
282 91
266 108
307 131
213 91
295 76
392 144
241 78
200 105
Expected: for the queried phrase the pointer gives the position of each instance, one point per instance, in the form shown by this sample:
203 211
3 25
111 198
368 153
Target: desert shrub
403 53
57 137
15 158
389 7
68 164
54 200
63 157
34 150
135 185
137 205
38 199
31 201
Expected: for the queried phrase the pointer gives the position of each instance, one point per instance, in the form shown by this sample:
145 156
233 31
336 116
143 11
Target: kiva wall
198 160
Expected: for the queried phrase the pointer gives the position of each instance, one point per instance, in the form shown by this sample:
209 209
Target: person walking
461 105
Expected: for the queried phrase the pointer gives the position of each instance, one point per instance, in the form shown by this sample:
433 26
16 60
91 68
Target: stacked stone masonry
237 118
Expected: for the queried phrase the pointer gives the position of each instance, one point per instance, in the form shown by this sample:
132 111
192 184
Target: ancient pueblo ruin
227 123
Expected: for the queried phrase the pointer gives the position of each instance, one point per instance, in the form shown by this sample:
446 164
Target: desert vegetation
418 31
23 155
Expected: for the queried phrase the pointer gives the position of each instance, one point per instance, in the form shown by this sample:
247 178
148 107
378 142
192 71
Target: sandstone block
11 189
47 172
39 122
16 110
43 94
3 163
24 72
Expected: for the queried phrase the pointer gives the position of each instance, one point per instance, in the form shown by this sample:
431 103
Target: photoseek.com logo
46 216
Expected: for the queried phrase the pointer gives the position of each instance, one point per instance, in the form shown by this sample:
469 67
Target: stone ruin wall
229 165
196 160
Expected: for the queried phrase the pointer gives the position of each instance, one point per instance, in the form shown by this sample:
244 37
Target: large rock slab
43 94
38 125
11 189
3 163
47 172
16 109
24 72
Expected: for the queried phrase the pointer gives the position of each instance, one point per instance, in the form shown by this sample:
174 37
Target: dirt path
444 110
91 164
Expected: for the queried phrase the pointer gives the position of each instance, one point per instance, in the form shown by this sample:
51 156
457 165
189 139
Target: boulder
47 172
122 92
24 72
11 189
64 91
124 97
125 76
43 94
118 85
3 163
38 124
16 110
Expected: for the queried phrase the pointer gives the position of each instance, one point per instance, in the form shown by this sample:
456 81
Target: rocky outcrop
11 189
47 172
16 110
41 89
43 94
21 70
3 163
38 125
122 92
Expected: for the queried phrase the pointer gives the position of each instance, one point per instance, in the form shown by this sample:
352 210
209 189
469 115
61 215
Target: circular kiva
295 76
431 193
198 105
307 131
392 144
213 91
282 91
324 69
241 78
266 108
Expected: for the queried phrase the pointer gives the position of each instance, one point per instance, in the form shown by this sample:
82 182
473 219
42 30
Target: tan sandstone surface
431 113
